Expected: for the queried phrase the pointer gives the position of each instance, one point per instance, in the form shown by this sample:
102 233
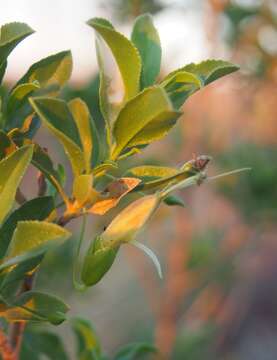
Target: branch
6 350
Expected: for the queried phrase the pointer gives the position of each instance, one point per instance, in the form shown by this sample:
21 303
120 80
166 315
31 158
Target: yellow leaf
81 116
127 59
128 222
32 237
12 169
114 192
146 118
82 188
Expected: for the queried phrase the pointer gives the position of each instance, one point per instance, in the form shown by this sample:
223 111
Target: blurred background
218 297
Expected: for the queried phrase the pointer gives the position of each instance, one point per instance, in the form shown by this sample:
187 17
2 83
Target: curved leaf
147 41
56 116
127 59
146 118
208 70
10 35
200 75
12 169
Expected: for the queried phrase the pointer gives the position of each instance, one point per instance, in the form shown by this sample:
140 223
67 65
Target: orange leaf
114 192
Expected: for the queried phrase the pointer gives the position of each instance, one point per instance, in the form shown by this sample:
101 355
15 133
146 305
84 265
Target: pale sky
60 25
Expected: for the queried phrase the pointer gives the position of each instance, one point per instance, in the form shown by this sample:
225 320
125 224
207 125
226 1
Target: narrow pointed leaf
81 115
150 172
127 59
150 254
146 39
12 169
146 118
35 209
56 116
162 182
10 35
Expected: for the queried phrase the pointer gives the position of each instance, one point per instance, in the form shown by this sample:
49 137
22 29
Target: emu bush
146 112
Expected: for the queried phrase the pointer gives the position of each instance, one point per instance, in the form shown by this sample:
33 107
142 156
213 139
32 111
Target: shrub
147 111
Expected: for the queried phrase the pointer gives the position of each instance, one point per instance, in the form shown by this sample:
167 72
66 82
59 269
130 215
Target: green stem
77 284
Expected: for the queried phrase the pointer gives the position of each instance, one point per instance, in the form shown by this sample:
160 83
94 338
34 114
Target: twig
17 329
6 351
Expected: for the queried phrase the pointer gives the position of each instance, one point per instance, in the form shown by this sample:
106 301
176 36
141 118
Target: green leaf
161 183
37 342
127 59
150 172
180 86
135 351
12 169
12 280
57 117
208 70
146 118
19 95
87 340
35 209
81 115
147 41
97 262
53 70
37 306
183 82
172 200
32 238
3 68
10 35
